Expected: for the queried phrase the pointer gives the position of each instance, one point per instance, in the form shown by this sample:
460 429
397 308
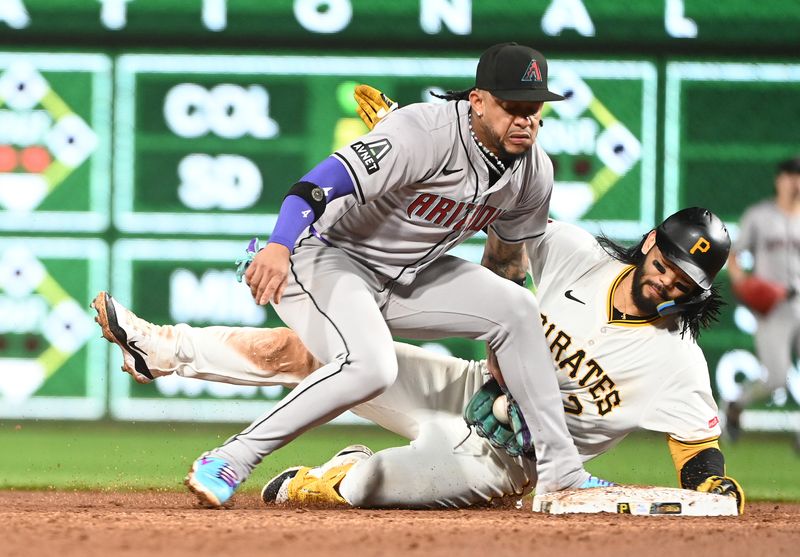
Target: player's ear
477 102
649 242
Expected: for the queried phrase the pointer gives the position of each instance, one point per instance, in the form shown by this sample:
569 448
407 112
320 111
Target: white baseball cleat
131 333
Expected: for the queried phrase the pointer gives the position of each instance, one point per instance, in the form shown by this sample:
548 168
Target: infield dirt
125 524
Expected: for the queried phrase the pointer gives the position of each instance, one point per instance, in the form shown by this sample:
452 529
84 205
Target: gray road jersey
773 237
422 187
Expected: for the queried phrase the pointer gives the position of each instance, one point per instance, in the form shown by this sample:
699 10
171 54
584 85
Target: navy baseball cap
513 72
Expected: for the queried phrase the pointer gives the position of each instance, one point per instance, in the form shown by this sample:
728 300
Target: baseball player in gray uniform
620 323
770 231
358 253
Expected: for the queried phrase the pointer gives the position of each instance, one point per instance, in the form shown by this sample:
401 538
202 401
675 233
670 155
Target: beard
496 143
644 305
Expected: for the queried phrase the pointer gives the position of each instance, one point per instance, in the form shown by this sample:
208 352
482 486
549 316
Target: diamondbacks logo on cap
532 73
371 153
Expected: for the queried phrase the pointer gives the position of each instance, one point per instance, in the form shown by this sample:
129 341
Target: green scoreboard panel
55 127
48 366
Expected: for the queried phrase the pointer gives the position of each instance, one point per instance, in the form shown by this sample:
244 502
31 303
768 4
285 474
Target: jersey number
573 406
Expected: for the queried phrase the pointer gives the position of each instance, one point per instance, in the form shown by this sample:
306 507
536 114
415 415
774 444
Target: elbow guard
311 194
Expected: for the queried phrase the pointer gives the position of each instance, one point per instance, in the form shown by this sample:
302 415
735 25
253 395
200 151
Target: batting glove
244 262
373 105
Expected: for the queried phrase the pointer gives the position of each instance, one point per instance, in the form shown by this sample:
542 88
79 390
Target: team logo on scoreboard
42 140
591 148
371 153
41 326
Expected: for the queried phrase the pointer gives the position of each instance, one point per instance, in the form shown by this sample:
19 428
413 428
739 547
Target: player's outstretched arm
701 466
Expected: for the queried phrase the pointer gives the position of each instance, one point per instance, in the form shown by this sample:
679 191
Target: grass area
141 456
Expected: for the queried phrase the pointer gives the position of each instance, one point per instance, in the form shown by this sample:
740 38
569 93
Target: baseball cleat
212 480
122 327
302 484
594 481
277 489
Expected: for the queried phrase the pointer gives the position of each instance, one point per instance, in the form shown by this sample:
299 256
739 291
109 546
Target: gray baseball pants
346 314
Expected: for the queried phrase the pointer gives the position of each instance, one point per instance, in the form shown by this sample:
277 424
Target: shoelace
227 475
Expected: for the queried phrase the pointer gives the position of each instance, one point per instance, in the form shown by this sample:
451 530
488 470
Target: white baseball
500 409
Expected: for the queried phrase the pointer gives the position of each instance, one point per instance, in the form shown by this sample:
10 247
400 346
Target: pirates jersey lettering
590 375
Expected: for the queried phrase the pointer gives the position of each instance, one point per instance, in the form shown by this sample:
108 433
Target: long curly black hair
454 95
699 314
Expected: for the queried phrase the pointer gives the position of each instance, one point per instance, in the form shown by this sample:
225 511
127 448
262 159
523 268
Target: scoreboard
734 25
143 142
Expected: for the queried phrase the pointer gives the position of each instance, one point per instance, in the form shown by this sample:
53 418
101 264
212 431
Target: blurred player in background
770 232
621 325
359 249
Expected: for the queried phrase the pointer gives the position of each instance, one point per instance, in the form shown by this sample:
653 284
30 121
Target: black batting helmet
696 241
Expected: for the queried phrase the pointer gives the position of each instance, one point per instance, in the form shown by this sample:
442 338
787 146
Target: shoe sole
205 498
355 449
269 493
107 319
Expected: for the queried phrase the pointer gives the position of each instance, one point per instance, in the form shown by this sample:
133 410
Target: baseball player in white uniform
358 254
770 231
620 324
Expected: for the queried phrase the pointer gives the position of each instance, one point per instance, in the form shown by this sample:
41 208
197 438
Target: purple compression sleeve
296 214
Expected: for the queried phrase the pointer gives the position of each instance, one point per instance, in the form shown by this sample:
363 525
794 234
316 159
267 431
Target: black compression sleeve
708 462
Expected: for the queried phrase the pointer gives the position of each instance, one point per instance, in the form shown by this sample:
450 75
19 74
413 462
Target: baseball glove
372 104
758 294
724 485
514 437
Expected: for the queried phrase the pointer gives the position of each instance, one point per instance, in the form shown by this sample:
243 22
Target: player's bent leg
317 399
335 311
437 470
236 355
509 319
242 355
332 302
